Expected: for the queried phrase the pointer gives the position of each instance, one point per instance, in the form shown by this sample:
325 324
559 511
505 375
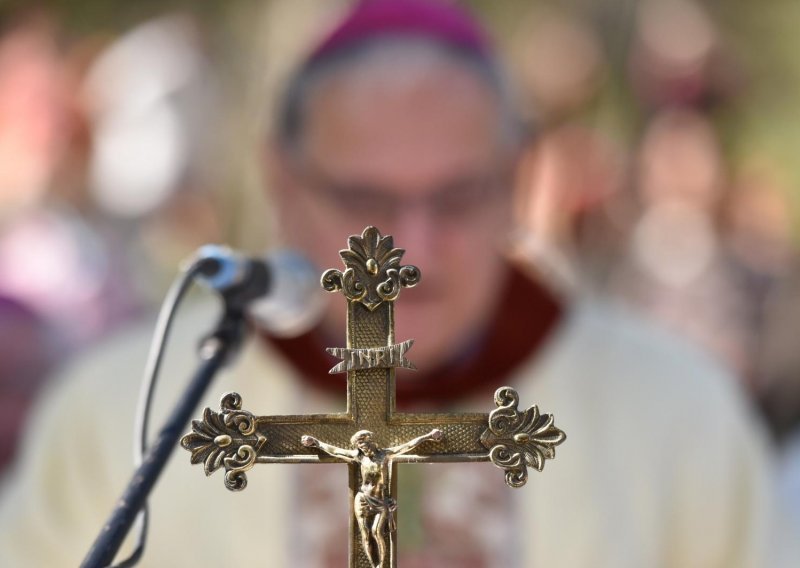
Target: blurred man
400 119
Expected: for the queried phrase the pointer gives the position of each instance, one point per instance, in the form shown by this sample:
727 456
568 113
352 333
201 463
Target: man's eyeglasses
459 200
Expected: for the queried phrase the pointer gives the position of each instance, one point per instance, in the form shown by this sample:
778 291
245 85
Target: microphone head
295 301
221 267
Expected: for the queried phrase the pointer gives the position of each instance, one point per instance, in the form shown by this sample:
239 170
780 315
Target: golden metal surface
370 436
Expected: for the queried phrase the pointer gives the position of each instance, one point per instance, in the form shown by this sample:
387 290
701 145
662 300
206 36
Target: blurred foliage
760 124
92 16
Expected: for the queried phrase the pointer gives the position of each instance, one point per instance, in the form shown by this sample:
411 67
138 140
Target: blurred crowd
123 148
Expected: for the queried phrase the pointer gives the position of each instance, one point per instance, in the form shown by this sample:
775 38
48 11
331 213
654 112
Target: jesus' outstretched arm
435 435
350 456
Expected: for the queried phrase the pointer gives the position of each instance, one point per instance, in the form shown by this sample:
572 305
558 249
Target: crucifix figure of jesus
370 436
373 506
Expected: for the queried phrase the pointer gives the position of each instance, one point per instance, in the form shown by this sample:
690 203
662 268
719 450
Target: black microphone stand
214 353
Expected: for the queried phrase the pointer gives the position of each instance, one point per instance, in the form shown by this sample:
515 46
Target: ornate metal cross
370 436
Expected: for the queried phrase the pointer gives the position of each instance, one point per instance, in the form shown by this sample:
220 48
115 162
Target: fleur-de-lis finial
517 440
373 273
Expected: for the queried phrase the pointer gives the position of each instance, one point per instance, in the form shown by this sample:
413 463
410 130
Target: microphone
280 292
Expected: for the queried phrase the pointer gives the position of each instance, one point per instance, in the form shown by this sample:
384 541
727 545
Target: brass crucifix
370 436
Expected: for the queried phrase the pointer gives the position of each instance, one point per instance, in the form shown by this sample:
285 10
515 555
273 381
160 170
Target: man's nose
414 229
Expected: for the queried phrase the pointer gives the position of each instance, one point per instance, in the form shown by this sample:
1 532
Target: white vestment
663 465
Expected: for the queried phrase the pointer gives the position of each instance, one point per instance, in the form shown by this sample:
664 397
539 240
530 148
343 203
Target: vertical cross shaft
371 391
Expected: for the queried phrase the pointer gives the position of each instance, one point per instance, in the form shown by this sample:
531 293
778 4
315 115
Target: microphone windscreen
295 300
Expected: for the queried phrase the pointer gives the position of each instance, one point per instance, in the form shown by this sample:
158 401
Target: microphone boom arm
215 351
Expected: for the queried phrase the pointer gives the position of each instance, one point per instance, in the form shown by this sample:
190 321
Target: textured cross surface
370 436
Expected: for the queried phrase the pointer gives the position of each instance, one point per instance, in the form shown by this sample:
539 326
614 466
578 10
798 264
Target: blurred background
661 167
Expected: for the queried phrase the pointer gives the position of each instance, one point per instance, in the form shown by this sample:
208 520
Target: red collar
525 318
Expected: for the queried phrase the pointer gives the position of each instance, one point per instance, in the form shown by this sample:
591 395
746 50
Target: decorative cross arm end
518 439
226 439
